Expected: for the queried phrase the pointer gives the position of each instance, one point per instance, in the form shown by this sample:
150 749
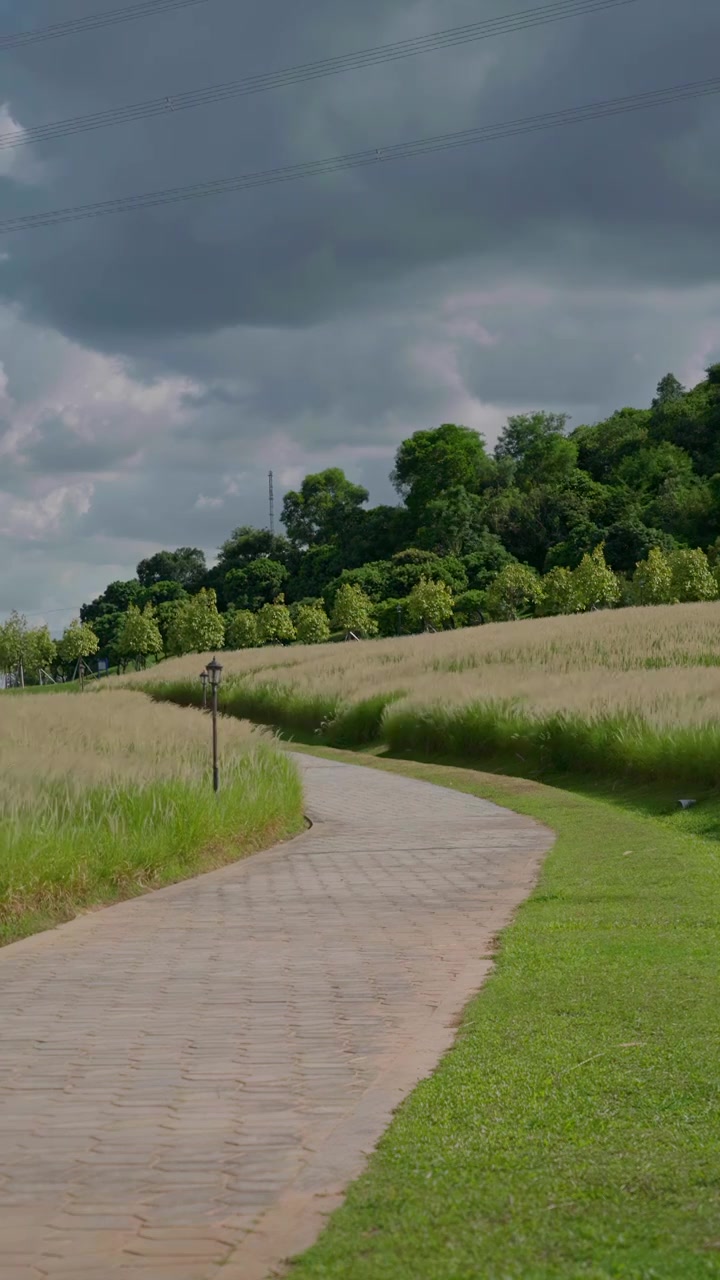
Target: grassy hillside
630 693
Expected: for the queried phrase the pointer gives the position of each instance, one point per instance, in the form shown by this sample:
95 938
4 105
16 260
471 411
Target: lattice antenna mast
271 496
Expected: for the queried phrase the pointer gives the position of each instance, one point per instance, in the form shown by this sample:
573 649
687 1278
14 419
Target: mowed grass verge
574 1129
105 796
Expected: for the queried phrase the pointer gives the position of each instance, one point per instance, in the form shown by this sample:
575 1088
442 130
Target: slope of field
106 796
632 692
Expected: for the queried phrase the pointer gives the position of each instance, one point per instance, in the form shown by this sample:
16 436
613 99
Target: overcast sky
155 365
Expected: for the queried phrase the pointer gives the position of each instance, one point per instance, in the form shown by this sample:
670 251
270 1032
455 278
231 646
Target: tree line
623 511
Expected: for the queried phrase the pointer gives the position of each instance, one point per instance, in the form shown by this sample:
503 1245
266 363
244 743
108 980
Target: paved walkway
189 1079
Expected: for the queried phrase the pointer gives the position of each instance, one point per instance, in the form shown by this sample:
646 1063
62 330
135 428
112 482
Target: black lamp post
204 678
213 670
399 619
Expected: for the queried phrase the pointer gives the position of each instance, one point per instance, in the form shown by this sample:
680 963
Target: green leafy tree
692 577
275 624
376 580
485 562
241 629
186 566
595 586
13 641
167 613
78 641
409 566
378 533
692 421
246 544
115 598
106 626
139 636
317 568
652 581
628 541
395 578
581 540
353 611
516 591
669 390
532 522
391 616
312 625
470 608
446 458
324 508
538 448
453 523
255 585
197 627
559 592
602 447
430 604
162 593
40 651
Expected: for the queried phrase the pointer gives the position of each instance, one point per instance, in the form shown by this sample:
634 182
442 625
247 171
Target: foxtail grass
107 796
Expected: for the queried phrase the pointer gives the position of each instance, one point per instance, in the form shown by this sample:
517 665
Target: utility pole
272 504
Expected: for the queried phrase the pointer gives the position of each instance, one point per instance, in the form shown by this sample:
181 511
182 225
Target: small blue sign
103 664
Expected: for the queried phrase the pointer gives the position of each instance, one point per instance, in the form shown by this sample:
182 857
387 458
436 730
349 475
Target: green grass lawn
574 1129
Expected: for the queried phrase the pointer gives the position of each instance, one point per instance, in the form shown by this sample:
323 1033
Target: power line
370 156
91 21
40 613
447 39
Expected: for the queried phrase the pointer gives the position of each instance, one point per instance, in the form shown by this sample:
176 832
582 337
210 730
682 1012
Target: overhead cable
165 104
91 22
370 156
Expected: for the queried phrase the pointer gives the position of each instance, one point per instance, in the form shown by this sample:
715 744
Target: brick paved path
190 1078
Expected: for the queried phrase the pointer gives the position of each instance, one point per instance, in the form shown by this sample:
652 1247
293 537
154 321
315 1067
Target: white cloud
43 515
17 161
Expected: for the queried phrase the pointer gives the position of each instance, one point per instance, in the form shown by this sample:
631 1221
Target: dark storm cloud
154 366
619 196
57 451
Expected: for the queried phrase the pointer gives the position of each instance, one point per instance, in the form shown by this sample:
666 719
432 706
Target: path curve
188 1080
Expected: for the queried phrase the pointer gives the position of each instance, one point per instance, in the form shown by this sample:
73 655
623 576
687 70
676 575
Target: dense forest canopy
644 482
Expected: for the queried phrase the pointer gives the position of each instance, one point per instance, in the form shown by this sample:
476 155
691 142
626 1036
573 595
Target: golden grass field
82 742
105 794
660 662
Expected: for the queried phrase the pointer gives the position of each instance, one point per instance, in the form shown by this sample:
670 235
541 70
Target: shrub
311 625
196 626
241 629
353 611
516 590
653 579
559 592
430 603
275 626
389 622
594 584
470 608
692 578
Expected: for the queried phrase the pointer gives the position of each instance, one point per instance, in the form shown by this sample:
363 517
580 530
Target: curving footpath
189 1079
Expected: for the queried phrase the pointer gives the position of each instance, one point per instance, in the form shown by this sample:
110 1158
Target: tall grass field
106 795
632 693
